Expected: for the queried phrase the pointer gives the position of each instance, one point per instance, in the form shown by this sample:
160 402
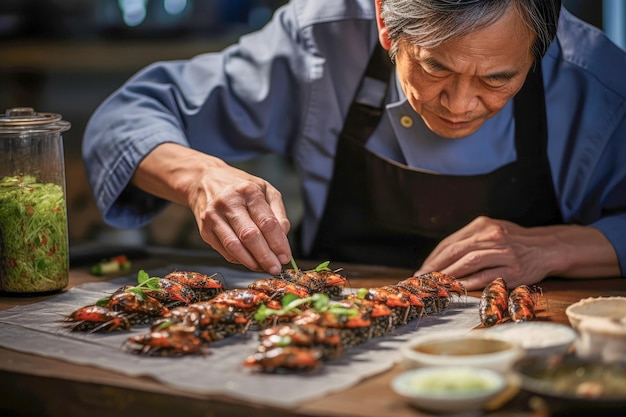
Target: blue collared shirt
286 89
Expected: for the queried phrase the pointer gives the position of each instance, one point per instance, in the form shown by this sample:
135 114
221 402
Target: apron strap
369 102
531 96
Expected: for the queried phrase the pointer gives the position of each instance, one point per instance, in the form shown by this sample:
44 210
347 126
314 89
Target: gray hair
429 23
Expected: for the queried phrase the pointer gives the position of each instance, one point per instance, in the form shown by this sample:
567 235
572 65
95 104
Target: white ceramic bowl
536 338
470 350
449 389
613 308
602 339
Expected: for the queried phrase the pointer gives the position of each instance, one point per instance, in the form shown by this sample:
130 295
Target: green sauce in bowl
447 388
457 382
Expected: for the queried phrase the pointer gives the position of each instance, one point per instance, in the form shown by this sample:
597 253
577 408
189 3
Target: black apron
385 213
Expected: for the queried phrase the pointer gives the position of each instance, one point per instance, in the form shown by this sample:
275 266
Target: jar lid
20 119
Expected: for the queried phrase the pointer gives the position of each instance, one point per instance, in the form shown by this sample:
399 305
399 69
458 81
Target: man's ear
383 31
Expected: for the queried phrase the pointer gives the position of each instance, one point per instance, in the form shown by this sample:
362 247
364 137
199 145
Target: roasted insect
522 304
322 281
205 286
354 326
139 309
187 329
493 305
249 301
177 339
277 288
172 293
380 315
398 302
417 304
325 339
245 299
434 297
96 319
285 359
450 283
214 321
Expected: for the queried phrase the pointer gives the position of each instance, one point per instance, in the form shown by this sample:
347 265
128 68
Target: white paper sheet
38 329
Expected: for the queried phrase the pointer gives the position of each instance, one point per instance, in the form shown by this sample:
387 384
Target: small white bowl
449 389
536 338
602 339
470 350
613 308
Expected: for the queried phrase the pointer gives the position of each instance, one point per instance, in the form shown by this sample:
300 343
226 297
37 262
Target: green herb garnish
103 301
293 264
145 283
319 302
362 293
164 325
322 267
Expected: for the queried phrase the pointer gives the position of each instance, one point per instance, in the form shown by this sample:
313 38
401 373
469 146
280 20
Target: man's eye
499 80
496 82
436 72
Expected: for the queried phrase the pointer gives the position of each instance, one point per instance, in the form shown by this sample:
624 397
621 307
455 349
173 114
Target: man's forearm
582 252
169 169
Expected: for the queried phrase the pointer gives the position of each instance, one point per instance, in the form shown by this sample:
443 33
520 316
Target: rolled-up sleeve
236 104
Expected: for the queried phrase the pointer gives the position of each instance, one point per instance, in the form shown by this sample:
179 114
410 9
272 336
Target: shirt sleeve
586 104
610 193
219 103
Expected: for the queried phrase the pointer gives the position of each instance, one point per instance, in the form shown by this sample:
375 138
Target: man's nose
459 96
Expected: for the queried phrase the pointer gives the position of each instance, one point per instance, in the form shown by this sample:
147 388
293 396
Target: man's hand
487 248
241 216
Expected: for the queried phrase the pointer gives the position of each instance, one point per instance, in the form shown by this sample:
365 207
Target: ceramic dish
575 385
467 350
613 308
536 338
603 339
449 389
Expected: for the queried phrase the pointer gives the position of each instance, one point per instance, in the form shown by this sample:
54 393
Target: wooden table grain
35 385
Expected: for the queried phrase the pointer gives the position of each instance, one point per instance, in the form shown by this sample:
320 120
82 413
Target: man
491 148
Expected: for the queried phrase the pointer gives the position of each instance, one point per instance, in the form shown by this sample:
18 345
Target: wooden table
34 385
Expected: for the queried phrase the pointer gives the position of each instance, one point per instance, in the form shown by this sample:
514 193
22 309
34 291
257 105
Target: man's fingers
281 247
472 265
242 217
256 229
273 230
473 246
478 281
224 240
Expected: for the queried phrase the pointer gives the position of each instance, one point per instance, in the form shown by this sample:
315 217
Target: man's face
458 85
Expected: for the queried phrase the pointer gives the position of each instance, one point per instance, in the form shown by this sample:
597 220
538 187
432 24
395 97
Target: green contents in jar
33 236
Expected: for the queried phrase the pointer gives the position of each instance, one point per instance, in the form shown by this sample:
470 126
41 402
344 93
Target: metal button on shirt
406 121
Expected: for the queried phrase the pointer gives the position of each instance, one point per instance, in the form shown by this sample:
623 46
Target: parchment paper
38 329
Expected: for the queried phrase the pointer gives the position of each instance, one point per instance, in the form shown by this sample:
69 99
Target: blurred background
66 56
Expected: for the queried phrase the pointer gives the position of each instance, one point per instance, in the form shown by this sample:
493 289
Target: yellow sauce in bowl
465 347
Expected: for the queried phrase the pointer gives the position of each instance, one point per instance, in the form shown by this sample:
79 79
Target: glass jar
34 256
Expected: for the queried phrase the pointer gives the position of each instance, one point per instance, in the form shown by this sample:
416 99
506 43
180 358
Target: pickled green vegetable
33 236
